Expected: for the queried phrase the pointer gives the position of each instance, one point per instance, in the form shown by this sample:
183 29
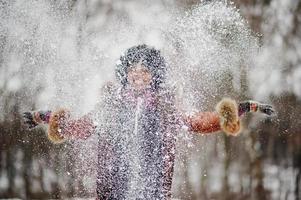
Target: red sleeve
62 126
226 118
80 128
203 122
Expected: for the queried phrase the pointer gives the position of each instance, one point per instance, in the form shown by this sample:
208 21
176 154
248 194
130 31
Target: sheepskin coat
137 134
136 138
137 131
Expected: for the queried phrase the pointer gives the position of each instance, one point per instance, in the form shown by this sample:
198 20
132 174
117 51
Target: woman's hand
28 120
34 118
266 109
254 106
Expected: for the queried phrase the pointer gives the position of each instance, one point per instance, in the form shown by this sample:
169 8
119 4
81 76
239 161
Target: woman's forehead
138 67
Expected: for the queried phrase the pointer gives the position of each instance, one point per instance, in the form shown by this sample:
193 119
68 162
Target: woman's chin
140 87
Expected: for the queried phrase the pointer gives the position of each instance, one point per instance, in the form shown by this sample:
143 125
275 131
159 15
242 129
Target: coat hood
147 56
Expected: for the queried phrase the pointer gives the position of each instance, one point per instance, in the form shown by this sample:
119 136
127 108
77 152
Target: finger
270 111
32 125
28 125
266 110
27 115
28 121
264 107
268 106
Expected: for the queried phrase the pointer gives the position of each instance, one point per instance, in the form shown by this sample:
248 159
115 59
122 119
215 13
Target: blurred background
60 53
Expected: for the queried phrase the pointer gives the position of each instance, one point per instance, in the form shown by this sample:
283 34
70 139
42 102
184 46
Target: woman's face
139 77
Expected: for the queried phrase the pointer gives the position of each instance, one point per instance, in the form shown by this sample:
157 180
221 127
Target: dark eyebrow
145 70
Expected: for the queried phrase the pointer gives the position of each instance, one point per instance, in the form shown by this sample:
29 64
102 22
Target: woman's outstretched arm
60 124
226 117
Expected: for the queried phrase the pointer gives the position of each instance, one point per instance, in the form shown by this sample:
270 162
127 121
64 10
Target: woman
137 124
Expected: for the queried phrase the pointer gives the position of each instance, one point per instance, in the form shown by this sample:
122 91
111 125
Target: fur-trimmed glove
34 118
229 113
55 120
227 110
254 106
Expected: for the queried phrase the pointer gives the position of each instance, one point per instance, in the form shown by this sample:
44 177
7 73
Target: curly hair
148 57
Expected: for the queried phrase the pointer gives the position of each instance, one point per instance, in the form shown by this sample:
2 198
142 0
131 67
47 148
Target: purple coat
136 144
136 141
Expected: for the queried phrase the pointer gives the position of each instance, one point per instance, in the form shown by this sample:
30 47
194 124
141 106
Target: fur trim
229 119
56 122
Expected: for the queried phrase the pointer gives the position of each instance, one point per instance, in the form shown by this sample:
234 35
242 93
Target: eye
145 71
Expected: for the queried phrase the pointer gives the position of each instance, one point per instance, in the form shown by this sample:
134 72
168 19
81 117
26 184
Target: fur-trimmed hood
149 57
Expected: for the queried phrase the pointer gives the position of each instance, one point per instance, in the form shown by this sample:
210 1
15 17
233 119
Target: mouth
139 82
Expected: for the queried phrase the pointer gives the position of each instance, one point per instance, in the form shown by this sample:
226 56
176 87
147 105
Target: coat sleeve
62 126
225 118
203 122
